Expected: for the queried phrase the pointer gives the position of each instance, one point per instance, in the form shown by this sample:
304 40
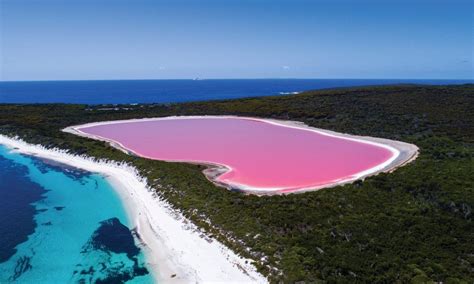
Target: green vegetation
413 225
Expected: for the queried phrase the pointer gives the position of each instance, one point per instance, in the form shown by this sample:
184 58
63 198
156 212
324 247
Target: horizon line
217 79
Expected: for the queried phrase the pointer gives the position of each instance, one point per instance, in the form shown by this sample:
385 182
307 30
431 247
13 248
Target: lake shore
176 250
402 153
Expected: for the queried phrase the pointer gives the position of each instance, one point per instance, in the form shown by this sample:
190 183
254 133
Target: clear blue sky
61 40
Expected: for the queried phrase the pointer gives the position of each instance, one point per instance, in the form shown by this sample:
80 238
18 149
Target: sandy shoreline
402 153
174 248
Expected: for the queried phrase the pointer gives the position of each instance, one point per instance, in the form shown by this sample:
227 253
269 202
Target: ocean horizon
94 92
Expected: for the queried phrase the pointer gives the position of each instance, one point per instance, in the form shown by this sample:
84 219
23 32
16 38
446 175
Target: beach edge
174 247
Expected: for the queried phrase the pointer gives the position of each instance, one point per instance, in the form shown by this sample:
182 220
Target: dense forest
412 225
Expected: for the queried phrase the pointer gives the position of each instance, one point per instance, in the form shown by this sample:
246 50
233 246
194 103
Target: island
411 224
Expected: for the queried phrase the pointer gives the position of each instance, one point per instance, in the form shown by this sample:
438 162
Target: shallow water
73 227
260 154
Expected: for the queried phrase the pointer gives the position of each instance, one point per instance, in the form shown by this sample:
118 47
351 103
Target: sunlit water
63 225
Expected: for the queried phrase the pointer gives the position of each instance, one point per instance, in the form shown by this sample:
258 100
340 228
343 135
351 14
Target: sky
137 39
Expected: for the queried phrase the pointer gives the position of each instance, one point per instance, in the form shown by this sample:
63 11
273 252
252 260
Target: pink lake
261 155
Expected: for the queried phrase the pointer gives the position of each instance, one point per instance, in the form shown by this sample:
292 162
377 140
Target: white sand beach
176 250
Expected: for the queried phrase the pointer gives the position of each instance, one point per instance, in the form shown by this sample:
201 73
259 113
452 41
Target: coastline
175 249
402 153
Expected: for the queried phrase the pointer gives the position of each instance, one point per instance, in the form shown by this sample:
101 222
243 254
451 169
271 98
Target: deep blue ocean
172 91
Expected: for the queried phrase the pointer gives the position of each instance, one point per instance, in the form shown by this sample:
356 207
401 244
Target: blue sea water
172 91
63 225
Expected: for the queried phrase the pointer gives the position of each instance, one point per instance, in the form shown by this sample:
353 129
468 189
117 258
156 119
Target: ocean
175 91
60 224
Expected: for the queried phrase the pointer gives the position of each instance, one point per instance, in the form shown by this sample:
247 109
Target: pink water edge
261 155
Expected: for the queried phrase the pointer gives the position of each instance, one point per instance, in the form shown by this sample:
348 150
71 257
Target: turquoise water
81 232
